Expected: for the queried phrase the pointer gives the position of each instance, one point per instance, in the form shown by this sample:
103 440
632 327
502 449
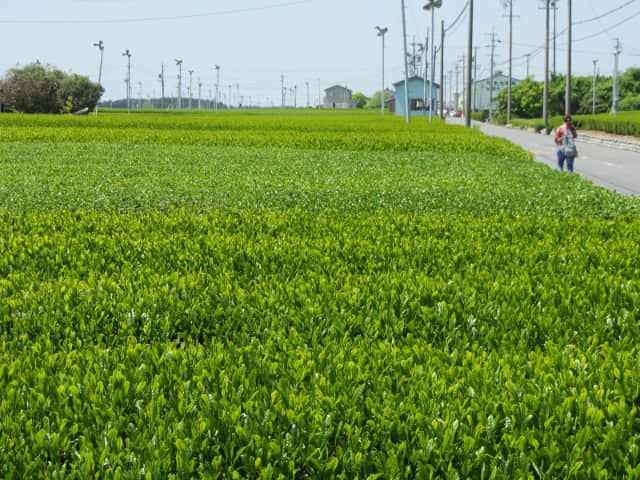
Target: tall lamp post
100 45
127 54
381 33
217 67
190 86
179 64
432 5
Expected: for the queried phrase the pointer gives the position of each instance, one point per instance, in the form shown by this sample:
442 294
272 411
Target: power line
540 49
607 30
462 12
604 14
159 19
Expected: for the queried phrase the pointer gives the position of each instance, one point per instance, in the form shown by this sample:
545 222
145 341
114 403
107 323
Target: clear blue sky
316 41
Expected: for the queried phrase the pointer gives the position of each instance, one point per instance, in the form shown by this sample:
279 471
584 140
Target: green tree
39 89
82 92
360 99
526 99
374 101
32 89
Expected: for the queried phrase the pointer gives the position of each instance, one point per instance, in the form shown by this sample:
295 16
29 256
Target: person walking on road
565 139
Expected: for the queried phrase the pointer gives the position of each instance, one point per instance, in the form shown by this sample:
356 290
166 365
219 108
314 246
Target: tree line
527 96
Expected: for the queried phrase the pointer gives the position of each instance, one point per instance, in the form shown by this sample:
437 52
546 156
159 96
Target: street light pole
432 5
179 64
127 54
100 45
217 67
190 88
381 33
161 77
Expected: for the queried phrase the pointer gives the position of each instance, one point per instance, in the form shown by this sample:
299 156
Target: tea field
309 295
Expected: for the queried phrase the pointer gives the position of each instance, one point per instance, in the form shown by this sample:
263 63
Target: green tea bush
179 299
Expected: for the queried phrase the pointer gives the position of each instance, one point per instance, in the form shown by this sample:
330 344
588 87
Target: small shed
417 86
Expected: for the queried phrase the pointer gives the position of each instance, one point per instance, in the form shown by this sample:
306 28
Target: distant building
338 97
480 94
416 96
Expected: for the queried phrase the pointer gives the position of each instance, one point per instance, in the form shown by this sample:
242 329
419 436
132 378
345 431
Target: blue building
416 96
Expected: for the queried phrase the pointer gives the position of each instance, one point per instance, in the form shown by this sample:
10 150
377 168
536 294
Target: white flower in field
507 423
491 423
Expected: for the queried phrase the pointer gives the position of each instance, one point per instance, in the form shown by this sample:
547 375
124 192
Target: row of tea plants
291 296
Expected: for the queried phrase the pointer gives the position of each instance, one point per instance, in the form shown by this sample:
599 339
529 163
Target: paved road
618 170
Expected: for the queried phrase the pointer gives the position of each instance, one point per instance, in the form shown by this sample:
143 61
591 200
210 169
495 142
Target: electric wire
462 12
160 19
605 30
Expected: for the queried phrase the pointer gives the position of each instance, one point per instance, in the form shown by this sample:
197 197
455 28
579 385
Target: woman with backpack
565 139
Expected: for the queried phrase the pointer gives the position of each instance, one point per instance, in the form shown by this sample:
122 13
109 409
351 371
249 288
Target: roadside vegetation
527 104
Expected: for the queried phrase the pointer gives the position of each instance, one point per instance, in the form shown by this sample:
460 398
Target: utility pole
308 97
450 100
467 120
510 62
593 107
494 40
229 98
238 91
100 45
442 69
475 80
127 54
545 96
161 77
456 94
528 55
554 5
567 105
217 67
200 93
381 33
179 64
319 94
190 88
282 88
406 66
423 49
432 5
140 93
464 81
614 107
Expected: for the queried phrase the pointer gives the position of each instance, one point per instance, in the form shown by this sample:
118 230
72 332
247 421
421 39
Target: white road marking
614 165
